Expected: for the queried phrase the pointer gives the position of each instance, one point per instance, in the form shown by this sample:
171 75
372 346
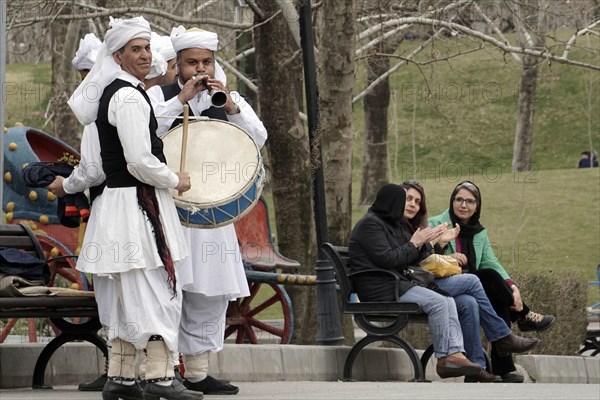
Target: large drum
226 171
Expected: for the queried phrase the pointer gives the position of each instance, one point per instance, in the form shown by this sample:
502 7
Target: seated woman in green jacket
473 251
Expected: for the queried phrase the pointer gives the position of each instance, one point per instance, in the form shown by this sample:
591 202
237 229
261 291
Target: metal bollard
329 330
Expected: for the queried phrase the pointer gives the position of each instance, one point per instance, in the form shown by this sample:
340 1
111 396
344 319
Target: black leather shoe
210 385
451 367
178 375
95 386
223 381
115 391
512 377
515 344
175 391
535 322
484 377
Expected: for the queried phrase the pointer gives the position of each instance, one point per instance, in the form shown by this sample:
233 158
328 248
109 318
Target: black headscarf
471 228
389 204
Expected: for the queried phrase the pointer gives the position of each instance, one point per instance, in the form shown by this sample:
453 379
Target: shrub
561 294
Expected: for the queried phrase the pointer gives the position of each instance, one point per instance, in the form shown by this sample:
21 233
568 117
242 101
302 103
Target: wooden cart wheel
64 264
243 316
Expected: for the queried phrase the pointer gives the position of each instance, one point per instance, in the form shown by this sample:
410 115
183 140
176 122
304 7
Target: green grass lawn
28 90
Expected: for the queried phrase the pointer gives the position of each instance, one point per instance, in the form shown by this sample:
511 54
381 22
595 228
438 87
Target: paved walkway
357 391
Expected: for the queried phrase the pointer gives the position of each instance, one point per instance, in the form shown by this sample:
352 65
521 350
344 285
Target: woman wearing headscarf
473 251
472 303
378 241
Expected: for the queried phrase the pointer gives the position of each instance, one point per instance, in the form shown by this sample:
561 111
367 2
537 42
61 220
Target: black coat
376 244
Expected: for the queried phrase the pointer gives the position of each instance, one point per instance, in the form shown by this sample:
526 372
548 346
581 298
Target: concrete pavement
82 362
303 390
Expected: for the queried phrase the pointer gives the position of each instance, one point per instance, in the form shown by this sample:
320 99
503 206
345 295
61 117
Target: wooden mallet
184 136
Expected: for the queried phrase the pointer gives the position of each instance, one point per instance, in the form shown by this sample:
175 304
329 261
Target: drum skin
226 171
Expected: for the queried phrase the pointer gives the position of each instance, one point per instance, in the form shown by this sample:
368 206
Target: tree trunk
530 13
336 23
525 113
290 159
375 151
65 39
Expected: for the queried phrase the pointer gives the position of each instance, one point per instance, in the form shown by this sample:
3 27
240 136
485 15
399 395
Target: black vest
113 159
172 89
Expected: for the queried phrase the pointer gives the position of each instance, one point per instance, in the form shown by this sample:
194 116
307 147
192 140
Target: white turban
123 30
195 38
162 53
86 54
85 100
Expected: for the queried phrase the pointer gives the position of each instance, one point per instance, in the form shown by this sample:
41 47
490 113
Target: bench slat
19 242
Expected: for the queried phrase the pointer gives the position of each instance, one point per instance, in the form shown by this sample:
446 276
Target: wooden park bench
381 321
75 316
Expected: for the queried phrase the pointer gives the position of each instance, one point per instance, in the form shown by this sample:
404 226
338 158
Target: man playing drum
218 276
135 238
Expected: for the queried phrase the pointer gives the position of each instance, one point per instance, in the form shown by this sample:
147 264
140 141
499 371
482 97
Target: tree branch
238 74
580 32
136 10
255 8
390 71
378 27
495 42
498 31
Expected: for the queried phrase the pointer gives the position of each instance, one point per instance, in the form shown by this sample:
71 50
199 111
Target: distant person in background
88 175
588 160
164 66
473 251
86 54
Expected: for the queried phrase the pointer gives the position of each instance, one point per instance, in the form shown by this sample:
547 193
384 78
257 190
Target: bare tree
65 39
336 24
335 66
375 106
278 72
531 29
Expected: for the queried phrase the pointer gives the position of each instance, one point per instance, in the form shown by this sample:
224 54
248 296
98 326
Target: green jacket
481 242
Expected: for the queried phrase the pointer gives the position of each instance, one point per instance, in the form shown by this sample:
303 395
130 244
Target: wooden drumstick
184 136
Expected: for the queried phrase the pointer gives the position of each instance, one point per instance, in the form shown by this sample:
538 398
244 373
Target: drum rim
229 221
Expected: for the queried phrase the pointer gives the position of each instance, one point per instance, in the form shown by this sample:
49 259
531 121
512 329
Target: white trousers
202 326
137 304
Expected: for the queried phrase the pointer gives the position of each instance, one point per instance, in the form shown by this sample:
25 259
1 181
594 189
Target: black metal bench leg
412 354
426 356
44 357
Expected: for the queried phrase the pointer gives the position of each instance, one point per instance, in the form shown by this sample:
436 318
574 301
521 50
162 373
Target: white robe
89 172
137 301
